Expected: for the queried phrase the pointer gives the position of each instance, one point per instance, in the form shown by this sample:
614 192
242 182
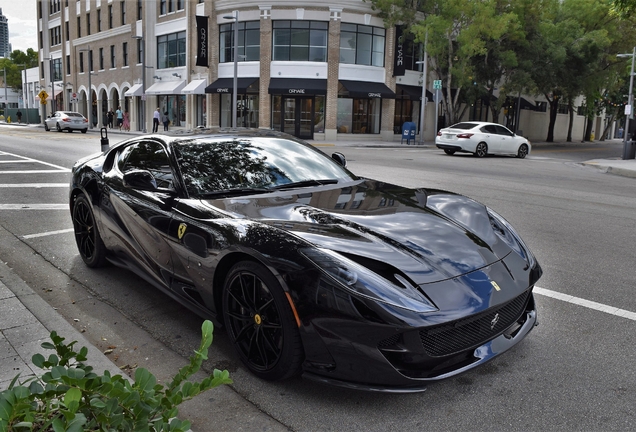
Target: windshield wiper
305 183
233 192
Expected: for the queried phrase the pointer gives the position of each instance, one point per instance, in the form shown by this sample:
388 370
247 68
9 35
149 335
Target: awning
165 88
57 92
226 85
195 87
136 90
367 90
298 86
415 92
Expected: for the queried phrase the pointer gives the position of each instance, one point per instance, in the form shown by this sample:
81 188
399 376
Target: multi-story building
311 70
315 70
5 46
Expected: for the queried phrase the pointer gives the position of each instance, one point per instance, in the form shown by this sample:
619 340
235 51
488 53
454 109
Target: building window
123 12
54 6
88 24
79 27
140 51
90 61
57 69
99 20
66 31
110 16
68 65
101 59
162 7
249 43
170 5
180 4
124 49
300 41
55 35
113 63
171 50
139 9
81 62
363 45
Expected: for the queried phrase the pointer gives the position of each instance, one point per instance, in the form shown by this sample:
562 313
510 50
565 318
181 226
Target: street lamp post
25 99
630 100
235 17
424 79
143 82
90 88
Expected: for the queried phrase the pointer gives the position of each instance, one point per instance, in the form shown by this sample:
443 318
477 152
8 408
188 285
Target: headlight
507 233
363 282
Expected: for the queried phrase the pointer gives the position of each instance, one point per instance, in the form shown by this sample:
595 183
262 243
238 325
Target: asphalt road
575 371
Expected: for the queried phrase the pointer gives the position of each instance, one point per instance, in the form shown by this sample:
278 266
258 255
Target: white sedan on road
481 139
66 120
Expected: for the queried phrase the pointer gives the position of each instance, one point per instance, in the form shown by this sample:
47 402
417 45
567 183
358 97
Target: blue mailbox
408 132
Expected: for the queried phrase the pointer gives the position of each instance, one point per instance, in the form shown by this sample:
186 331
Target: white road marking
34 207
44 234
38 161
15 161
62 170
34 185
586 303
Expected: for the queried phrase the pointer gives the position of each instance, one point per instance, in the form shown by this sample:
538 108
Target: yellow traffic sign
43 94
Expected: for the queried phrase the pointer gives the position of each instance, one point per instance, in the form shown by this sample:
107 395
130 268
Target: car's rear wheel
84 130
260 322
59 128
523 151
69 130
481 150
89 242
449 152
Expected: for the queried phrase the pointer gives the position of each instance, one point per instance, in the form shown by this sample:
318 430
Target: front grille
465 333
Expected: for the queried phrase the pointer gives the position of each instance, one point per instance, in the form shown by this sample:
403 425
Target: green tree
14 65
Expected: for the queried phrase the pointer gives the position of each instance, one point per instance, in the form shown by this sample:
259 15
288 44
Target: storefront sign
297 91
375 95
202 41
223 90
399 68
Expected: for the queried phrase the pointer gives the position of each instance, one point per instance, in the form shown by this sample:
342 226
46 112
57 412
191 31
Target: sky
23 24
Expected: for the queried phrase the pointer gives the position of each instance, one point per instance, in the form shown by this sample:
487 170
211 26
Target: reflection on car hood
430 235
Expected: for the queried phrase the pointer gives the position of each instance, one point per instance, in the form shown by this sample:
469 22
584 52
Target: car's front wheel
59 128
523 151
89 242
260 322
481 150
449 152
46 127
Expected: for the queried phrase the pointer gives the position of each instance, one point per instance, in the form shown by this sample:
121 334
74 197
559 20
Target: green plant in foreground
71 397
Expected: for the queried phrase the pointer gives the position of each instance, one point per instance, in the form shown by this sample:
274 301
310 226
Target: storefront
298 106
196 88
408 105
360 106
170 100
247 100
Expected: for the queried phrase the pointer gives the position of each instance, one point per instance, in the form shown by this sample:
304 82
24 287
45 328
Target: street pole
143 81
235 17
52 86
424 79
630 101
90 89
25 99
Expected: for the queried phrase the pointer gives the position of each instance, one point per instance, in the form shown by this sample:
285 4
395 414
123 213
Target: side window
503 131
149 156
489 129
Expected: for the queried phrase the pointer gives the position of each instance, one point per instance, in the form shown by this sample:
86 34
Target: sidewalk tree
14 65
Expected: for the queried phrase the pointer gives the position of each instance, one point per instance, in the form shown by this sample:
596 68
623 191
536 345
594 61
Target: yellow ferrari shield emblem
495 286
182 230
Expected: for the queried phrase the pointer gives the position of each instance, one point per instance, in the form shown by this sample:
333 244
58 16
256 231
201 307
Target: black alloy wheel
59 128
449 152
46 127
89 243
523 151
481 150
260 322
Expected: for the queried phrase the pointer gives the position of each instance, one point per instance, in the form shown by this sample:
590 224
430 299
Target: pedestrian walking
120 117
126 125
155 120
110 116
165 120
19 114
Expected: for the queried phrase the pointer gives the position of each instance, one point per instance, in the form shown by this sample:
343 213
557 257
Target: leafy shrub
71 397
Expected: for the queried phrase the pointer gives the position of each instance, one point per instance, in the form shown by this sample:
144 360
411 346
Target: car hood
429 235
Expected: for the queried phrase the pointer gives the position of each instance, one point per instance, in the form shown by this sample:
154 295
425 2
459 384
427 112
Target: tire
84 130
449 152
260 322
58 127
69 130
523 151
46 127
481 150
89 242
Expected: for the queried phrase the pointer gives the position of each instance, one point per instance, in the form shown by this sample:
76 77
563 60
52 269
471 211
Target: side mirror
140 179
340 158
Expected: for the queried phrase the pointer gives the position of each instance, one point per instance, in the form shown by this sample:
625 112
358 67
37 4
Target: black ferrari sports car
311 269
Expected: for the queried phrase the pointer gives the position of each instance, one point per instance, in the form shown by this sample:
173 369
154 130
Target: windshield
211 165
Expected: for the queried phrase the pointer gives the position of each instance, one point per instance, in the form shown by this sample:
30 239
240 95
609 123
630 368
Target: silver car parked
66 120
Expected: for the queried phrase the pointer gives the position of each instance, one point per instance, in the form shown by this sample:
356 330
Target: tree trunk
571 122
554 106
